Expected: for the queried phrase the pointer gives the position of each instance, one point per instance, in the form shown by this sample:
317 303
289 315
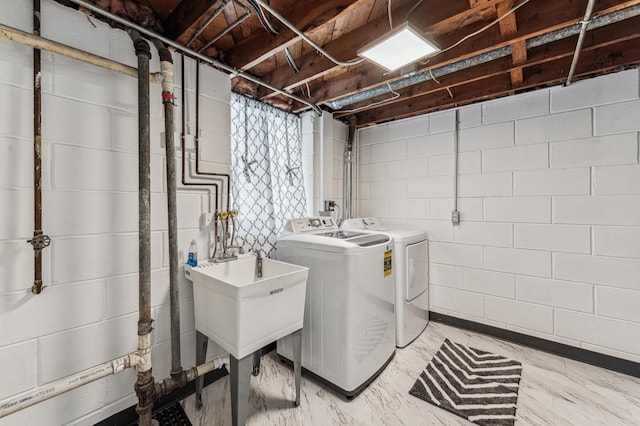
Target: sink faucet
240 248
258 264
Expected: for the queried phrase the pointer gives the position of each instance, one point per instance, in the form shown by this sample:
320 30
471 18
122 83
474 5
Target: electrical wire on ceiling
266 22
389 14
305 38
308 93
415 6
192 53
465 38
486 27
291 60
395 96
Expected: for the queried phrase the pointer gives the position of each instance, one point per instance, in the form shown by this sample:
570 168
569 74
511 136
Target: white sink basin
241 313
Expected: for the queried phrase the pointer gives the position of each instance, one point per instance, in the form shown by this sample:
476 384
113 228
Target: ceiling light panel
402 46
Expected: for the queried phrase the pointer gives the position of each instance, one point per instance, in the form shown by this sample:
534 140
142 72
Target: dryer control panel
310 224
372 223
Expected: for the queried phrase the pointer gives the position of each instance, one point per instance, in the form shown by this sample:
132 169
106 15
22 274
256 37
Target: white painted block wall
549 243
87 314
323 142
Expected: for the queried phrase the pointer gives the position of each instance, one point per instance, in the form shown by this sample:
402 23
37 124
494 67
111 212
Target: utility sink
243 313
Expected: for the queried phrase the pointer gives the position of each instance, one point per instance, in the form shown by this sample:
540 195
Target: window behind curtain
266 169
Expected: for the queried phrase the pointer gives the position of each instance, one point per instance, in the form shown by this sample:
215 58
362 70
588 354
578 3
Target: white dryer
411 268
348 335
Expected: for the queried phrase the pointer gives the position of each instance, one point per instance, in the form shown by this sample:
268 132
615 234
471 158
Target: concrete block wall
323 141
87 314
549 187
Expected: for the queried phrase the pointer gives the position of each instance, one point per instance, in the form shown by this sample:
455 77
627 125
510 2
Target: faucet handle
257 251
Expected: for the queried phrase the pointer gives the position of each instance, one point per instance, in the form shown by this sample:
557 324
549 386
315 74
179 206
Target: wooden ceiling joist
561 17
598 39
261 45
543 75
184 20
489 48
314 66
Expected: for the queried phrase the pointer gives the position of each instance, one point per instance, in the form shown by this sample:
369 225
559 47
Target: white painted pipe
50 390
37 42
203 369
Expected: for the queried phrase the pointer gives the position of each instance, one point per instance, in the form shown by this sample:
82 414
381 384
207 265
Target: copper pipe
39 240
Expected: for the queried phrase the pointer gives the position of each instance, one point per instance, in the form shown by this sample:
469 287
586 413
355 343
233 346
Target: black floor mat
173 415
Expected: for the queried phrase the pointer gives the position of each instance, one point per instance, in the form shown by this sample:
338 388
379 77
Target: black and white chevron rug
479 386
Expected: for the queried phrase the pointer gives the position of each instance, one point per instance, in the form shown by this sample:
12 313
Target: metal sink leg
256 363
240 378
202 342
296 338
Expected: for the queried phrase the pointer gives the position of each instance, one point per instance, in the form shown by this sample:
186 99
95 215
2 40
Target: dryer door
417 269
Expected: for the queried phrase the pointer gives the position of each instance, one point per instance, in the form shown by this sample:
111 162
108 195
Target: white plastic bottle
192 259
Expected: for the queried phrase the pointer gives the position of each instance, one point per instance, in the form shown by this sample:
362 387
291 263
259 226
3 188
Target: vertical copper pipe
37 156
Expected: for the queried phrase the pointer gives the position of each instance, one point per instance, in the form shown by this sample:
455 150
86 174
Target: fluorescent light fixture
399 47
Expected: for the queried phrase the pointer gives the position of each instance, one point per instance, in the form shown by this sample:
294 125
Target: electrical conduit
348 170
183 137
193 53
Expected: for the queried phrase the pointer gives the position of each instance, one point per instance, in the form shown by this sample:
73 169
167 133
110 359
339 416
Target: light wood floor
553 391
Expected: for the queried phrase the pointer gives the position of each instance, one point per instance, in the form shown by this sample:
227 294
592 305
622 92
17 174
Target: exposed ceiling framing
509 46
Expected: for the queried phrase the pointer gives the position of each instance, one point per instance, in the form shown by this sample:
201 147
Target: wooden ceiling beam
314 66
260 46
508 26
185 16
549 73
532 25
597 39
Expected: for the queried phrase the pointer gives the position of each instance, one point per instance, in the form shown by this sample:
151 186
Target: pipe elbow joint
142 48
140 44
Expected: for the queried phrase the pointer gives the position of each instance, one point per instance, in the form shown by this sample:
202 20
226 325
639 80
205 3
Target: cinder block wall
549 186
87 314
323 141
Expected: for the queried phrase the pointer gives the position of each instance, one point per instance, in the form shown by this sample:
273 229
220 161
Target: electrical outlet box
455 217
205 220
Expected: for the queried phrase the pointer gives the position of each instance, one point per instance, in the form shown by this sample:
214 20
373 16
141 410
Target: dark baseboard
578 354
128 416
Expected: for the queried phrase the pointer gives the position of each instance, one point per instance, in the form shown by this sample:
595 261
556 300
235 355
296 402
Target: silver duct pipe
193 53
571 30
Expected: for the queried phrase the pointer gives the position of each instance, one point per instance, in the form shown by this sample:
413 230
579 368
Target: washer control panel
310 224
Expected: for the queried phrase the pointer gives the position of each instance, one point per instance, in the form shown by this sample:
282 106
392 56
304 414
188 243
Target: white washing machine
411 268
348 334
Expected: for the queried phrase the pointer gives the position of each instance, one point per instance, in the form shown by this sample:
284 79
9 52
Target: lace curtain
266 169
